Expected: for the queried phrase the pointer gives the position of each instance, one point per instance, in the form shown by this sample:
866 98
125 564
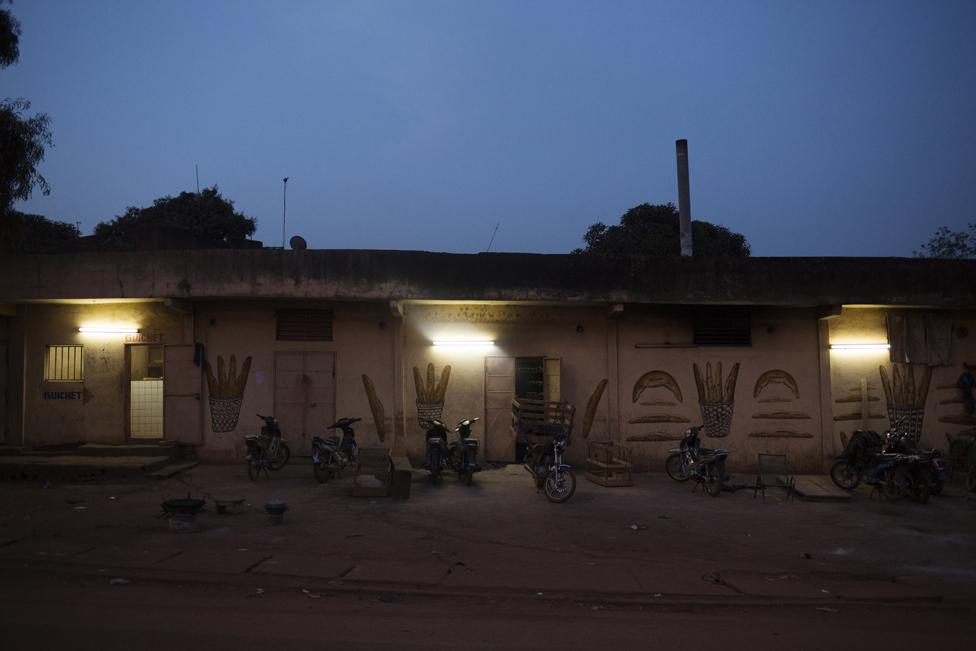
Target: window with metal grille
64 364
723 327
304 325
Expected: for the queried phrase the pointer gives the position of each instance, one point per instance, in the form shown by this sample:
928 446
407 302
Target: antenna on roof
493 237
198 177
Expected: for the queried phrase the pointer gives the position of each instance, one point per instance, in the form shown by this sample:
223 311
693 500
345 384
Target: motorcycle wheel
895 484
435 465
923 493
935 488
713 481
253 472
676 468
560 485
284 454
322 472
845 475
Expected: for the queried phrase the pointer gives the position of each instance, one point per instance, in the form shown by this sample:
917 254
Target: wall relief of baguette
225 392
716 398
656 379
375 406
430 394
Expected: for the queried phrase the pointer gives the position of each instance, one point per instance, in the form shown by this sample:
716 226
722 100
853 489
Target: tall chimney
684 197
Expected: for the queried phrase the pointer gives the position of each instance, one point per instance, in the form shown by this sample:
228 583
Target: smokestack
684 197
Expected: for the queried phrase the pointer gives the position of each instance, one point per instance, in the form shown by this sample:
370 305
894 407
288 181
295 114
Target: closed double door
304 396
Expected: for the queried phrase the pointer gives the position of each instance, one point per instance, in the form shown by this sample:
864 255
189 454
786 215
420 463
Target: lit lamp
109 330
463 343
862 346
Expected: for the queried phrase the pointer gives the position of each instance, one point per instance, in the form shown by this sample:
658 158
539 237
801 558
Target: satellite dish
298 243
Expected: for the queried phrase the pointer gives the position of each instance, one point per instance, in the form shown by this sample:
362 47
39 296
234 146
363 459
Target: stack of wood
608 464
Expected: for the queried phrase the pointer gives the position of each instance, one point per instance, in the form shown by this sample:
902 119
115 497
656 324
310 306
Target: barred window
304 325
64 363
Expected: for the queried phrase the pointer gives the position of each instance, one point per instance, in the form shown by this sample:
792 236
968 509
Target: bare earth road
653 566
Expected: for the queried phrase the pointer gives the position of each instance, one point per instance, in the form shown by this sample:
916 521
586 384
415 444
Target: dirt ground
492 565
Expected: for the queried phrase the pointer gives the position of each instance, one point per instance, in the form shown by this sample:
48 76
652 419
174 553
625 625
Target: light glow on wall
108 329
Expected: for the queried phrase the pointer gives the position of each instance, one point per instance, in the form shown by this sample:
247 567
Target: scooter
330 456
546 466
266 451
463 455
691 461
437 449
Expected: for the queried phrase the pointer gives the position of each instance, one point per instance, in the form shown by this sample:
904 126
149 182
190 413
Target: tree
204 219
950 244
654 230
24 233
23 139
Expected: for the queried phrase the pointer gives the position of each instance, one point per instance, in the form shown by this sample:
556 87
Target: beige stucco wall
782 340
944 413
363 337
518 331
100 417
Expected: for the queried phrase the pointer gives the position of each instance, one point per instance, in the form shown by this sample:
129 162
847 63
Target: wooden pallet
819 488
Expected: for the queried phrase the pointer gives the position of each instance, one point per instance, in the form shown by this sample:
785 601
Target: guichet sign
63 395
144 338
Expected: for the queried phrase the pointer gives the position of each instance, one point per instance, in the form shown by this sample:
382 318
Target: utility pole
284 209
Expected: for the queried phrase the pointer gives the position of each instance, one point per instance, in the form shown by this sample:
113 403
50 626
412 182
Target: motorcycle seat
470 441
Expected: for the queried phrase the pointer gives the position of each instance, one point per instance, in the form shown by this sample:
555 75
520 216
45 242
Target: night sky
814 128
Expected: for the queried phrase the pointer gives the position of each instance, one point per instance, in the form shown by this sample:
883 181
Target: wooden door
182 384
304 396
552 367
499 392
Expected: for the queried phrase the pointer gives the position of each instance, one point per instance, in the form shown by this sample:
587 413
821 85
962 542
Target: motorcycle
545 464
691 461
437 449
462 455
895 466
858 459
330 455
265 451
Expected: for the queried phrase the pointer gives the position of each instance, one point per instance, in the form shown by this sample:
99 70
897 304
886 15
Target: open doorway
145 366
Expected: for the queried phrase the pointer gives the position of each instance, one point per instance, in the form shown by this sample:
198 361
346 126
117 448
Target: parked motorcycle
266 451
893 464
330 455
437 449
691 461
462 455
545 464
858 458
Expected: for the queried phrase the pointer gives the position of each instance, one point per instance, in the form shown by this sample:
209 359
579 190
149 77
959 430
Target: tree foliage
9 38
950 244
23 138
24 233
654 230
206 218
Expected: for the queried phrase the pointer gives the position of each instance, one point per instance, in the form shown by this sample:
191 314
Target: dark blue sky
814 128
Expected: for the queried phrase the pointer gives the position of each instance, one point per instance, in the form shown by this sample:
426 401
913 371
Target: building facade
772 355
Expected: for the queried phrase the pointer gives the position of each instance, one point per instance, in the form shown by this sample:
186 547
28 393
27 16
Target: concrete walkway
654 543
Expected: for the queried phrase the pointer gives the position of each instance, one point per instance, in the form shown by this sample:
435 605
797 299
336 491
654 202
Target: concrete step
74 468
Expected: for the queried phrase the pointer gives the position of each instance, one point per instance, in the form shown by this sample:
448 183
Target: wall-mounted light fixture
865 346
109 329
463 343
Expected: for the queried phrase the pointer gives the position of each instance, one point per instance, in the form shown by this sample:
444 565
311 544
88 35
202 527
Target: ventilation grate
304 325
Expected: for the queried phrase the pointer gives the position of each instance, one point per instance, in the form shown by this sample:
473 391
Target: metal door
182 383
499 392
304 396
